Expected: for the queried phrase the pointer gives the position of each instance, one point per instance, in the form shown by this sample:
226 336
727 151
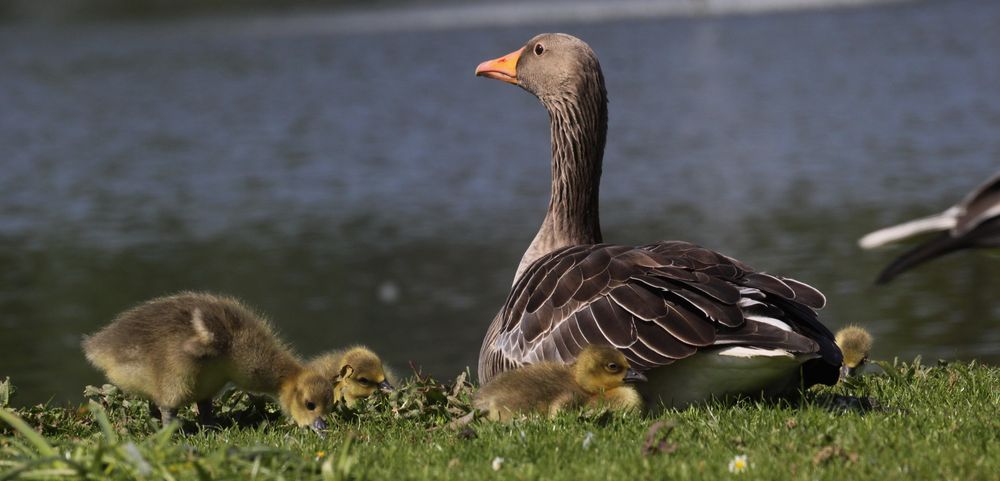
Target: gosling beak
847 370
631 375
503 68
319 425
384 386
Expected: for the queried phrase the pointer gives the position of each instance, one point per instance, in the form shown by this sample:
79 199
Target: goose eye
364 380
539 49
612 366
310 405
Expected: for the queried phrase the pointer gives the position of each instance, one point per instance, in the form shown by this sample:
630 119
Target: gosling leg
167 415
205 415
154 410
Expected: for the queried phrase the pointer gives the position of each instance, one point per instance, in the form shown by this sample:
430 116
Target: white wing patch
770 320
742 351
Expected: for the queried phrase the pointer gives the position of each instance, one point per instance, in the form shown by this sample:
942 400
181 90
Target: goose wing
657 303
973 222
979 206
976 209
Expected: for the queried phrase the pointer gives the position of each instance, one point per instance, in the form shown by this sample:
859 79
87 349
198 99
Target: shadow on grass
231 409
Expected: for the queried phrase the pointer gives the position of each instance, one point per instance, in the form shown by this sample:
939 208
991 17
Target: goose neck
578 126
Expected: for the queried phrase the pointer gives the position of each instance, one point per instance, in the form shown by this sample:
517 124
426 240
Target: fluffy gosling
598 377
354 373
855 342
180 349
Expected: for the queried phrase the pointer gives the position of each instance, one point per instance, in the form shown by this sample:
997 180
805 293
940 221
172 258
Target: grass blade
102 420
34 437
6 392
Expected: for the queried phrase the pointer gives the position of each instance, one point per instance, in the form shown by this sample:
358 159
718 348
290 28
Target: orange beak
503 68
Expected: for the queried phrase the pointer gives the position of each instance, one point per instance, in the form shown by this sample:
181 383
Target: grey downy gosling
855 342
597 377
355 373
185 348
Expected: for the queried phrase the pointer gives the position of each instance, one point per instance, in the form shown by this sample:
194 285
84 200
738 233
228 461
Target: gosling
180 349
354 373
598 377
855 342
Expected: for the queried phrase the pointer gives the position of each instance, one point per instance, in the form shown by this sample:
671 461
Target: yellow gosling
355 373
855 342
597 378
183 349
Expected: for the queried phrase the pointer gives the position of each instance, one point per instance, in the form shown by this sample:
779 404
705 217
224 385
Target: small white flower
497 463
739 464
589 438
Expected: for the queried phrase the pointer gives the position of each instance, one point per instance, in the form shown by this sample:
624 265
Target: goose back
657 303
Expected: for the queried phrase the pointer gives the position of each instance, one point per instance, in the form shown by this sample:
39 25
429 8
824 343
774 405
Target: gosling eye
310 405
539 49
364 380
612 366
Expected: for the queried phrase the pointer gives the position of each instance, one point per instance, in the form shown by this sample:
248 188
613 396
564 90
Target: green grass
907 422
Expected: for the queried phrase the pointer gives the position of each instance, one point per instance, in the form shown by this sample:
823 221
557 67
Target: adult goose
973 222
699 324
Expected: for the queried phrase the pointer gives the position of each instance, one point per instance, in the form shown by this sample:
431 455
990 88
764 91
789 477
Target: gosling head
307 398
361 374
601 368
855 342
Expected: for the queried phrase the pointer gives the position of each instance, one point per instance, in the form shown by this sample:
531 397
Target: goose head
602 368
550 66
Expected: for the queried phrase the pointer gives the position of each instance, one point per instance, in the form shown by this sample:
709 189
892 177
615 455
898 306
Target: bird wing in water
973 222
985 234
978 207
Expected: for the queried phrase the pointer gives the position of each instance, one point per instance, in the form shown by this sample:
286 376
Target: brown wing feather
596 262
768 283
567 287
656 340
639 301
685 325
806 294
767 336
619 334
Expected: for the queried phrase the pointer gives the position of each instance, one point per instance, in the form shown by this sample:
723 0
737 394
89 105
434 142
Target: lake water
362 186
